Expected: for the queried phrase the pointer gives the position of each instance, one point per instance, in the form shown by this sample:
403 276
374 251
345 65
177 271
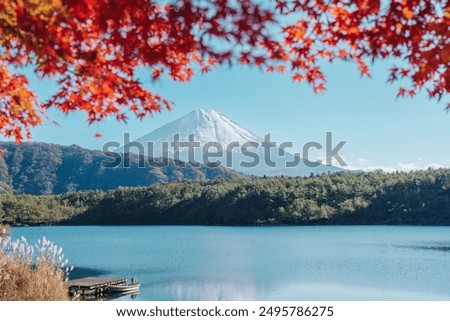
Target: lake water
263 263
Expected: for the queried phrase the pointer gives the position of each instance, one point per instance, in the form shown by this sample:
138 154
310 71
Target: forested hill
40 168
416 198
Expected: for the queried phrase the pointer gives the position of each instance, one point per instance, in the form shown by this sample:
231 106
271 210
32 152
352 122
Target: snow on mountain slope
210 126
206 125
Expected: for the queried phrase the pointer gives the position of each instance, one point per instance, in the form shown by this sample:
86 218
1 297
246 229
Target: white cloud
350 167
435 166
364 164
407 167
387 169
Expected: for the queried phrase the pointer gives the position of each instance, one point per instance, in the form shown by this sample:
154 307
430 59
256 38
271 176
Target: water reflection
82 272
123 296
105 296
210 290
340 291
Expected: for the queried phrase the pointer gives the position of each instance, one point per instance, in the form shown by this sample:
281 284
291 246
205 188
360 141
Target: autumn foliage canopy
93 49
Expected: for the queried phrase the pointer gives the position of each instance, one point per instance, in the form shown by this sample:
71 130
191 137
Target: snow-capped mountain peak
207 125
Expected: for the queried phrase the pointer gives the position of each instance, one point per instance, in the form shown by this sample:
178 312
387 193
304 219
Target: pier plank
93 285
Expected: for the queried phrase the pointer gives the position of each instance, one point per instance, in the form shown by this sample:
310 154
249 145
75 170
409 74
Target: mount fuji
212 132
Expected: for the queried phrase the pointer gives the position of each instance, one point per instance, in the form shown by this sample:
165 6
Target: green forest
419 197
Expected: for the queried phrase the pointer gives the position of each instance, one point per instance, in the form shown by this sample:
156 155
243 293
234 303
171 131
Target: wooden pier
92 287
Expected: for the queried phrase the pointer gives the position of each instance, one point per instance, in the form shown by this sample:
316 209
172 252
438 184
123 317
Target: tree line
418 197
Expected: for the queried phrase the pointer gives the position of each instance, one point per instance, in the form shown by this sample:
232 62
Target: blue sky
382 131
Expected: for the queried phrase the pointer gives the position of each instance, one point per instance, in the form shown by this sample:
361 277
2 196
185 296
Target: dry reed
29 275
4 230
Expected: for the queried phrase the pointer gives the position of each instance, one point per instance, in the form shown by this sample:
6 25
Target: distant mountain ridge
41 168
208 126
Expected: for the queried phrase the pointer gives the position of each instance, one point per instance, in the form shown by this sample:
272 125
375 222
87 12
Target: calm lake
262 263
